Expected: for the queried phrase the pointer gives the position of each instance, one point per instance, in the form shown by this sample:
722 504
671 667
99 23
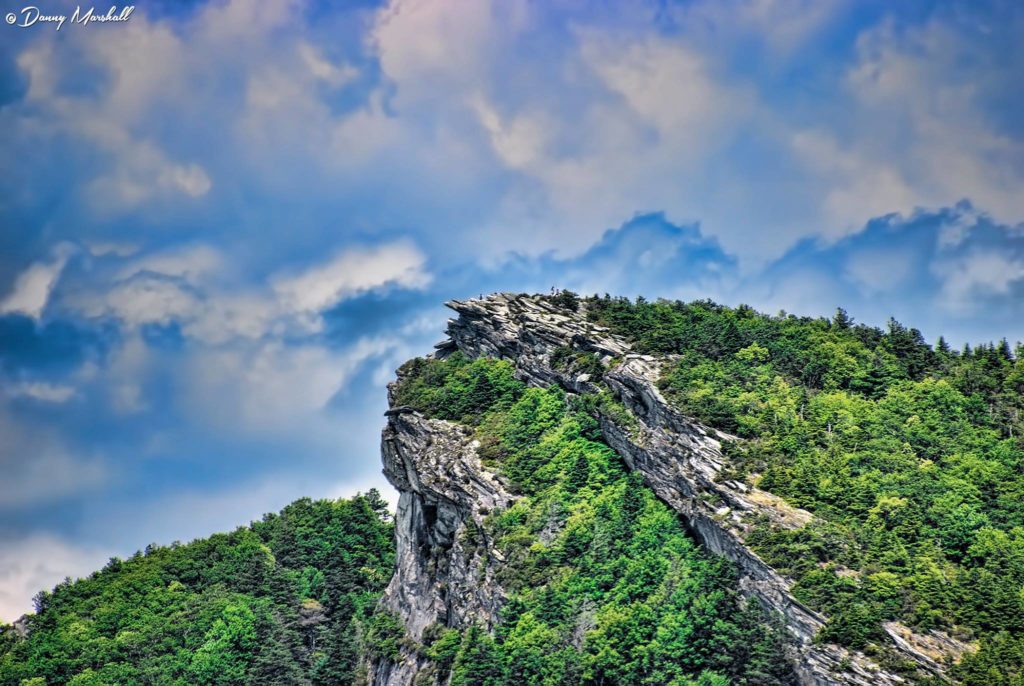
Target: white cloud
146 299
856 188
186 287
271 387
102 248
532 127
335 75
39 562
144 173
41 391
665 84
229 316
639 136
786 25
190 179
253 364
126 371
138 169
32 288
351 272
192 262
454 44
915 130
519 141
978 273
957 229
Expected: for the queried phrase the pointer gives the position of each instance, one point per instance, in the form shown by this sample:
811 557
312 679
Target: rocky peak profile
445 490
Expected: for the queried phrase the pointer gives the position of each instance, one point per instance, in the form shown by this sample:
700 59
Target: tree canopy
278 603
910 457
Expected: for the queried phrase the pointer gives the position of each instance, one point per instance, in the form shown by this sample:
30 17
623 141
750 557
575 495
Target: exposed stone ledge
441 578
681 461
443 575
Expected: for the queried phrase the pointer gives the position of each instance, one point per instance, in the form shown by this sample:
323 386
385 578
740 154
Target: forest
605 586
910 456
286 601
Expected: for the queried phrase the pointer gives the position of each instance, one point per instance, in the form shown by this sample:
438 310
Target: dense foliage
605 587
455 388
282 602
911 457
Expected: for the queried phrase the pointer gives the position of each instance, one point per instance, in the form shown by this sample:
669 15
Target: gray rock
445 562
443 486
22 626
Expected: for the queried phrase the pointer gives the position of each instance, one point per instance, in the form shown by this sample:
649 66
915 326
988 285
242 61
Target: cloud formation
31 290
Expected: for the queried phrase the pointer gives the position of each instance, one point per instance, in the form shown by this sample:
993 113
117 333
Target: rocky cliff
446 569
444 561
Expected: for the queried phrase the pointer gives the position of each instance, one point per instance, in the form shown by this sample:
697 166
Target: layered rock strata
445 561
445 492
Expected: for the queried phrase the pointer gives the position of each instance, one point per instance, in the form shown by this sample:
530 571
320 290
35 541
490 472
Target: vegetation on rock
910 457
605 586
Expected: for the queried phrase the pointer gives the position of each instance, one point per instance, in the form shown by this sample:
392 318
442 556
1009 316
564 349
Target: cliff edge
448 577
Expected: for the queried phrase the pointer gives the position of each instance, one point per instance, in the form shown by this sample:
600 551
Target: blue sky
223 224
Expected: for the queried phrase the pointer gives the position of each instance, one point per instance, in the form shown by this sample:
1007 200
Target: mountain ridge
528 330
856 511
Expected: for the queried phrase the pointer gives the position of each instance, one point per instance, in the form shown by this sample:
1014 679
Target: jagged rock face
679 459
443 487
445 563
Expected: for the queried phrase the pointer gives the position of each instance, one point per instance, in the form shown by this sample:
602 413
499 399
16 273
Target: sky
224 224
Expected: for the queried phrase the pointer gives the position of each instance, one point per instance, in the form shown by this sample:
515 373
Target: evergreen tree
276 663
579 474
478 662
842 320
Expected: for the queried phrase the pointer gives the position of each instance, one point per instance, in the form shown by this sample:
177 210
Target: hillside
909 457
599 581
284 601
863 485
600 491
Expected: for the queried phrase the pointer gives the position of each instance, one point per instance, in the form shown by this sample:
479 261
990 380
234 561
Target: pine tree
579 473
276 663
1004 350
842 320
478 662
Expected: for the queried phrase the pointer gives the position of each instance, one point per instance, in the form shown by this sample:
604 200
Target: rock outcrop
445 563
445 492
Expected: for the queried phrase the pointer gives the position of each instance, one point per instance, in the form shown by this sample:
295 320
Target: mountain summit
457 487
603 491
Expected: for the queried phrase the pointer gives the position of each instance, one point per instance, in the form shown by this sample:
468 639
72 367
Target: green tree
227 649
478 662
